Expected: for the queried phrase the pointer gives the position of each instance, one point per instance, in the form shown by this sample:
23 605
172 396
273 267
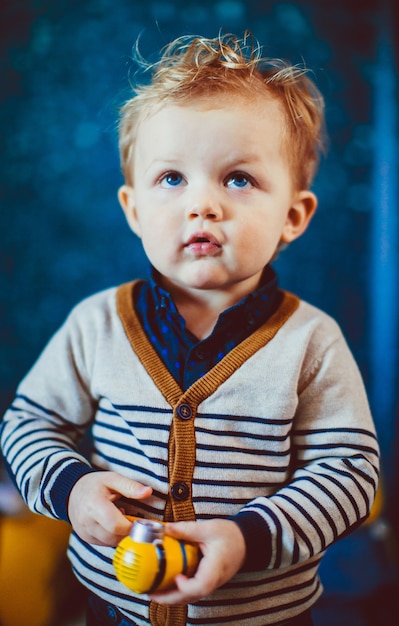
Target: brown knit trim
208 384
182 444
142 346
163 615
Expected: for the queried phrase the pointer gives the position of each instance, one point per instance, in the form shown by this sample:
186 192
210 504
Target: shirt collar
257 305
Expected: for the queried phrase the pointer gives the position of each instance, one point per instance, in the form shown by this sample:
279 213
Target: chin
205 285
203 279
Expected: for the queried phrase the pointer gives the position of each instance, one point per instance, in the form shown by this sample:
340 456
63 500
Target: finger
112 521
105 531
111 518
100 537
183 593
124 486
189 590
188 531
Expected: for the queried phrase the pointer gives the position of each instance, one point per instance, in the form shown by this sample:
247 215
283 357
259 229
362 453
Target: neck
201 308
200 317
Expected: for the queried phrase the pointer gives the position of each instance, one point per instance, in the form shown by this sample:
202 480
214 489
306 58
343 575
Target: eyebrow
244 158
166 159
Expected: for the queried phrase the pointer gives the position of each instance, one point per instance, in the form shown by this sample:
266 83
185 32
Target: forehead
246 101
233 116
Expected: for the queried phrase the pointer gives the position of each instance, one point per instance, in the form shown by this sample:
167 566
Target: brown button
184 411
180 491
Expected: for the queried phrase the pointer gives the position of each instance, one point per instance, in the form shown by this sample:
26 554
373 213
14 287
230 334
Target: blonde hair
196 67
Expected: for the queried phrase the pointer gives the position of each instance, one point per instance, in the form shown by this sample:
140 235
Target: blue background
64 73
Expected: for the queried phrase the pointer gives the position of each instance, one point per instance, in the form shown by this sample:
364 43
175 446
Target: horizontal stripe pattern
288 437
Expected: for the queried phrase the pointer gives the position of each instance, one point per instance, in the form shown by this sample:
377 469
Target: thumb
127 487
188 531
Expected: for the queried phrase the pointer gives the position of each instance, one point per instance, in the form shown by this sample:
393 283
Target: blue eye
172 179
239 181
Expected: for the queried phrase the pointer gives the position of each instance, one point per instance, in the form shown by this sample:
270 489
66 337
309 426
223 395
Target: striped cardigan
279 429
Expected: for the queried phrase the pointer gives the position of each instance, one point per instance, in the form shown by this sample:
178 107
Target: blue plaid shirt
185 356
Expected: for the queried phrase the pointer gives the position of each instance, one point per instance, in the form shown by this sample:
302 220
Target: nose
206 207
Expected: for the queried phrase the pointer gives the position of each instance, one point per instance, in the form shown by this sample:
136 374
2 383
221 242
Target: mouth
203 244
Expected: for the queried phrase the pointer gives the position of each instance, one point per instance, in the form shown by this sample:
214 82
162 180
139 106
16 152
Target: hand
91 509
223 548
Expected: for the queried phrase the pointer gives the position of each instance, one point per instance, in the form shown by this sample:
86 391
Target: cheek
157 239
260 241
254 233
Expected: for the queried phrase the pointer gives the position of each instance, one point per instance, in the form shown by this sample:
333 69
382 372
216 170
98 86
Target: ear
127 201
299 215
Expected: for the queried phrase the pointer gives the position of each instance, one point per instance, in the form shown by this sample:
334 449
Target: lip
203 243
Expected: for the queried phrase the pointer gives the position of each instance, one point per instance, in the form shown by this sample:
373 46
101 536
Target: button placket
182 451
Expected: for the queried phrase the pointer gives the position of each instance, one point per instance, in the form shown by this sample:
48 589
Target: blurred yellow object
33 564
377 507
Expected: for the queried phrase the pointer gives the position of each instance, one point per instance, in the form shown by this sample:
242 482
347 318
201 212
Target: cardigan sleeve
52 410
335 464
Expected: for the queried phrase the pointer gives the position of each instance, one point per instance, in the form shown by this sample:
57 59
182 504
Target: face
213 194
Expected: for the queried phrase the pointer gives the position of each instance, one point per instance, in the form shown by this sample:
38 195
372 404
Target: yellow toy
148 559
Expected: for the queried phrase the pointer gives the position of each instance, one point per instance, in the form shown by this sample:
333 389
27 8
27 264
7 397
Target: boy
216 400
